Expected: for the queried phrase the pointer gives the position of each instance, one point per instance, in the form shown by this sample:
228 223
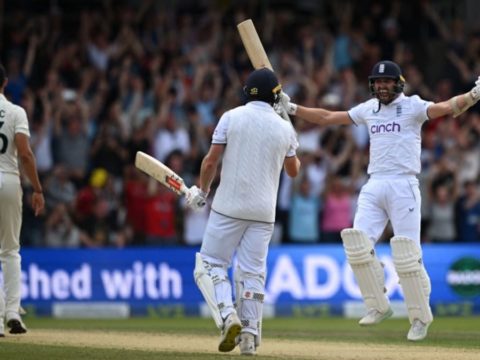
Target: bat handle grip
184 190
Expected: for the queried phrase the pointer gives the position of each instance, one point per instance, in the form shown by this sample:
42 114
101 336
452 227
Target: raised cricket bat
160 172
256 53
253 45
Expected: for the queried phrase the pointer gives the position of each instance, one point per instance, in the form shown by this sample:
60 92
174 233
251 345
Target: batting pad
367 269
407 258
249 295
207 287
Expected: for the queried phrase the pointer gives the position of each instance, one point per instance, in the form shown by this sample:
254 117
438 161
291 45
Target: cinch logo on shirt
383 128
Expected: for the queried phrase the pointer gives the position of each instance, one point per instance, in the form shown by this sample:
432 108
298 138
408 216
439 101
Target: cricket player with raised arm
392 192
254 144
14 146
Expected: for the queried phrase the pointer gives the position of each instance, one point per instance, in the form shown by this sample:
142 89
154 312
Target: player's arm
27 159
456 105
322 116
291 164
209 166
315 115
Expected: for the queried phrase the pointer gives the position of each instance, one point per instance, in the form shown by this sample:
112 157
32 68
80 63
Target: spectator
161 216
442 218
72 144
42 138
100 185
135 195
100 228
304 214
337 211
60 231
468 213
59 189
108 151
170 137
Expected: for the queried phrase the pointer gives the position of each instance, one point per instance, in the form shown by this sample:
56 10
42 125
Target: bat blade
160 172
251 41
255 51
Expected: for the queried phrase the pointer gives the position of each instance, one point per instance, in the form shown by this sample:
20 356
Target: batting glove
290 107
196 198
475 92
280 110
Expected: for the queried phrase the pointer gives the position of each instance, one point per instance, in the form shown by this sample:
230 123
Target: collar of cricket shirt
260 104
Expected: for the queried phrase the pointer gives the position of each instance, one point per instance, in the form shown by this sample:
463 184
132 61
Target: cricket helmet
262 85
390 70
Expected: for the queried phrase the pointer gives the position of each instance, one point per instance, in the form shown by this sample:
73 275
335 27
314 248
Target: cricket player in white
392 193
14 144
255 144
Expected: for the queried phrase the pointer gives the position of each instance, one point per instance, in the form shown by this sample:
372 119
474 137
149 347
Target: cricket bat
160 172
255 51
253 45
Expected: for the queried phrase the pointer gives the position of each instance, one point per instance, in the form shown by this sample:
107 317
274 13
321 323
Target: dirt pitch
297 349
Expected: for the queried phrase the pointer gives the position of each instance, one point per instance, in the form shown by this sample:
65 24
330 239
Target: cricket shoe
418 331
231 328
16 326
375 317
247 344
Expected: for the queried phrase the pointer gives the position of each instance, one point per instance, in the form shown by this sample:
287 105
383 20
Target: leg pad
407 258
367 269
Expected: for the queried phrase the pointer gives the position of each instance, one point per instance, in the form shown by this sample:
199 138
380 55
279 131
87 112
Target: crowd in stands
101 80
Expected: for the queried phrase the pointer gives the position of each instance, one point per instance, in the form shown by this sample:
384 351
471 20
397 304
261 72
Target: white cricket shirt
257 141
395 133
13 119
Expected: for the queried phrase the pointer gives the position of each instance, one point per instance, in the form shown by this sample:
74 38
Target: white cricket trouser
389 197
10 224
225 235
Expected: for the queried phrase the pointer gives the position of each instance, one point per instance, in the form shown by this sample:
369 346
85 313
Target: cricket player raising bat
392 193
255 144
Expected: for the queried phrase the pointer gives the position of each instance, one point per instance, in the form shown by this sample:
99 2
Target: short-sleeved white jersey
13 119
395 133
257 141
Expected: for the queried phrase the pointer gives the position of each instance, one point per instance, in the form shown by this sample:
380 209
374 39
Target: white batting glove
279 109
196 198
290 107
475 92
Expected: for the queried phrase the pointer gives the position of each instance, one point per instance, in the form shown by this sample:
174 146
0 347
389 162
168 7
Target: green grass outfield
447 333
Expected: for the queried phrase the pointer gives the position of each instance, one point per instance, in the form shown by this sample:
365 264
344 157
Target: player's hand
38 203
196 198
475 92
280 110
289 107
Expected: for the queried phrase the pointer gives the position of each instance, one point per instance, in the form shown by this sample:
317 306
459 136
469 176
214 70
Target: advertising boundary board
301 281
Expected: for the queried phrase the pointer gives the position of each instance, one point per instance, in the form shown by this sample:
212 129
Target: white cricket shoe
418 331
247 344
375 317
231 328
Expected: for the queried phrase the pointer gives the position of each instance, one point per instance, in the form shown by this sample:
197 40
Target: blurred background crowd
101 80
